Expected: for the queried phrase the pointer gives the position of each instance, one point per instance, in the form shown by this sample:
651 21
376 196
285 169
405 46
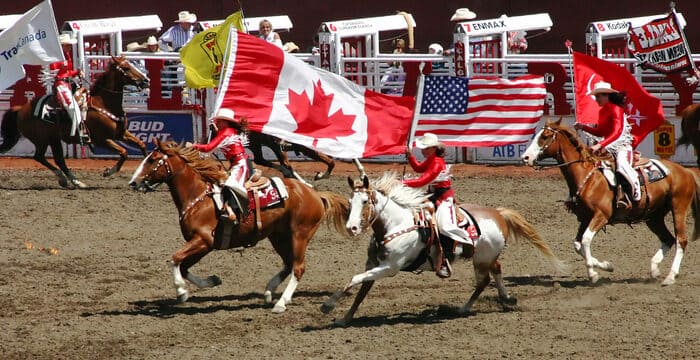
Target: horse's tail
520 228
337 210
690 118
696 205
9 131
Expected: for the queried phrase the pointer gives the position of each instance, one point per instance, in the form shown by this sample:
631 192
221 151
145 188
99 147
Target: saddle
648 170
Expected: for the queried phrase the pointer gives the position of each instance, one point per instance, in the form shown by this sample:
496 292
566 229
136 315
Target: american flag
479 111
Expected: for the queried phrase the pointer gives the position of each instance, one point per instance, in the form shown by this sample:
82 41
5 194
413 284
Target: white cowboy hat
66 39
133 46
186 17
428 140
602 87
152 40
463 14
437 48
224 114
290 47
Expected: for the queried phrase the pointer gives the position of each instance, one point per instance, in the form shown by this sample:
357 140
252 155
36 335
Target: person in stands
231 140
181 33
616 132
460 15
436 174
267 33
64 81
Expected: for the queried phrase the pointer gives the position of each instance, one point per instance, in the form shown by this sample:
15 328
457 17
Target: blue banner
149 126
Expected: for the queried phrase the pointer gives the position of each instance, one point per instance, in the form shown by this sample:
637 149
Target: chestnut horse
399 242
690 130
257 140
105 121
289 227
593 200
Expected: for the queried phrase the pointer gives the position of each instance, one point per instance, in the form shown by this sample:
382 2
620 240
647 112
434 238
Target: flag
660 45
203 55
644 111
285 97
479 111
32 40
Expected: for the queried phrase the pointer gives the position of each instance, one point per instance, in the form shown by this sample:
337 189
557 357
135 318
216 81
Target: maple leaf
312 116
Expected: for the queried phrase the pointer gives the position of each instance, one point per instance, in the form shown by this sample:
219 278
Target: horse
289 226
257 140
690 132
105 121
592 199
399 242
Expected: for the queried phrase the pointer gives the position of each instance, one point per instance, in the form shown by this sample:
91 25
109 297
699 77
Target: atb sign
664 140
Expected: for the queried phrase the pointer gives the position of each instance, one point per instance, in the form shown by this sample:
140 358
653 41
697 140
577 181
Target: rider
231 139
615 130
437 174
62 84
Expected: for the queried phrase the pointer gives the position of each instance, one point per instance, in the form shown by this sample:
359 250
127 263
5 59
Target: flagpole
416 109
696 73
569 50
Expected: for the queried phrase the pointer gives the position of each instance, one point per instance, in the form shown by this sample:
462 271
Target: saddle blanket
272 194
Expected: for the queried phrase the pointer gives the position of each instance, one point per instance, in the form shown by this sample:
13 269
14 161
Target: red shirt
65 68
430 169
228 141
610 124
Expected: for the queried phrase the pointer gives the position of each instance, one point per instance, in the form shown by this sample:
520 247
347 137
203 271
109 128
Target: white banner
32 40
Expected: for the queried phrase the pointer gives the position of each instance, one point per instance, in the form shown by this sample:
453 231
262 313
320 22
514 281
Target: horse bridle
118 65
168 171
371 206
542 149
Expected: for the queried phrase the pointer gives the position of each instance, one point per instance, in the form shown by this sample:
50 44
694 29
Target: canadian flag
283 96
644 111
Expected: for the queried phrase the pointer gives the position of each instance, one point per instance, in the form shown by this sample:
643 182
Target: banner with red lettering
660 45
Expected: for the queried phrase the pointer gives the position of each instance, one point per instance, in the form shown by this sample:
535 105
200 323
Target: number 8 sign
664 140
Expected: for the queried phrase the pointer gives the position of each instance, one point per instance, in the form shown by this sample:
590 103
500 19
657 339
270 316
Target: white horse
391 209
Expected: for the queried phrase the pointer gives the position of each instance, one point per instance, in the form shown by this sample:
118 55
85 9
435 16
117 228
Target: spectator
290 47
436 49
151 44
179 34
133 46
267 34
517 43
460 15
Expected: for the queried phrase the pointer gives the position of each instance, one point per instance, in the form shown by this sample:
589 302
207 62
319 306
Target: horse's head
362 202
130 74
545 144
156 168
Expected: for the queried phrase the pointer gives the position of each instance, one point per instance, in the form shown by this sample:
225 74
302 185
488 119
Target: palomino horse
592 199
257 140
289 226
105 121
690 132
399 242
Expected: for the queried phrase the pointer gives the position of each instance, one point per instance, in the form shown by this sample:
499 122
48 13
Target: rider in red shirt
231 140
62 84
436 174
616 132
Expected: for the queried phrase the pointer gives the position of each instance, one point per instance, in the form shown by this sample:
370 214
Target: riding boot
447 255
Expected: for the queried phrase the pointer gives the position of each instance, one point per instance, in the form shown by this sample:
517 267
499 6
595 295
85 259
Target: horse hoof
108 172
182 298
63 183
594 279
79 184
668 282
214 280
342 322
326 308
278 309
509 300
268 297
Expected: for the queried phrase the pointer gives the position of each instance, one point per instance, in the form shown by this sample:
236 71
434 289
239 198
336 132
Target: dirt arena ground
107 293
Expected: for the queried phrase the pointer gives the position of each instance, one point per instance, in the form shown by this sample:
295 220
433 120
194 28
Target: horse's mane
576 141
211 170
101 80
390 185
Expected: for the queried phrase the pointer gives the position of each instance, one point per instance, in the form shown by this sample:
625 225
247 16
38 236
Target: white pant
446 219
237 177
623 159
65 97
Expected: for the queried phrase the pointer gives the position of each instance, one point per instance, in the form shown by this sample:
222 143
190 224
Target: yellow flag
203 55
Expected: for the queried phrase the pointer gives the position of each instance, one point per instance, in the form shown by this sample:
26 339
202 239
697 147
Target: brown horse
690 132
279 148
105 121
593 200
289 227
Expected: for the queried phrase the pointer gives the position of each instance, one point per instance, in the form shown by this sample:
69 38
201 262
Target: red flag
285 97
644 111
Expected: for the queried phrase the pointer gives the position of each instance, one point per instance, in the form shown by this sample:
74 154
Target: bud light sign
146 127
